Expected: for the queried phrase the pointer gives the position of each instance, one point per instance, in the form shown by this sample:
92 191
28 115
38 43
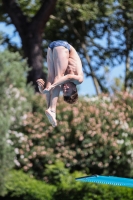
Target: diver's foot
51 117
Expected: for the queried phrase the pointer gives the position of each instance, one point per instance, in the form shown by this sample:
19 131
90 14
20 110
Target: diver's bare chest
71 70
72 67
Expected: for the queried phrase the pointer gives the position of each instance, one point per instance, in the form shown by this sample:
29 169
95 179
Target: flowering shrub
94 136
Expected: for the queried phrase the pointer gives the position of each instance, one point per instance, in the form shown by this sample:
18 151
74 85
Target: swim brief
59 43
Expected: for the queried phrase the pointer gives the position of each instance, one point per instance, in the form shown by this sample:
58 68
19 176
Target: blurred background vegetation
94 136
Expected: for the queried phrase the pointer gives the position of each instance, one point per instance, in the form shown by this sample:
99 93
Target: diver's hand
40 83
47 90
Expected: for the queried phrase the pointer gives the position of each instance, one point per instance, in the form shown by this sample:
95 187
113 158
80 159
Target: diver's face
68 88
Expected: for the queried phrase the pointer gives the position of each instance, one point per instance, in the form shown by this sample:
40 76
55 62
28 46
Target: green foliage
68 188
29 8
86 22
91 191
57 174
21 186
78 22
1 37
120 36
24 187
13 106
13 70
14 92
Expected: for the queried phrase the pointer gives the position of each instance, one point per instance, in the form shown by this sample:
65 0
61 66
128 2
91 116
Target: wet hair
72 98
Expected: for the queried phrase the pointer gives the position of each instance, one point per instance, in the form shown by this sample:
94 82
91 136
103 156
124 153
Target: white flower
120 141
108 99
16 162
22 156
16 151
124 134
94 98
10 142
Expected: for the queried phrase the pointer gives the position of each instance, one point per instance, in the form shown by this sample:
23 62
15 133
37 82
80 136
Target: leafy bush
21 186
14 105
68 188
63 186
94 136
93 192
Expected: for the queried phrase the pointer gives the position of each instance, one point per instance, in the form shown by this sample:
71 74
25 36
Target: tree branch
43 14
16 15
95 81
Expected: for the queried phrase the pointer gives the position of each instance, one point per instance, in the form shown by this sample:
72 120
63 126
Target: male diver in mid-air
64 72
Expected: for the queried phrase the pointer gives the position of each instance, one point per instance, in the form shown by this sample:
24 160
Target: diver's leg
60 59
51 73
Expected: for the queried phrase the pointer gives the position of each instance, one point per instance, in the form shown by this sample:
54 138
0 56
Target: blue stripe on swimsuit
59 43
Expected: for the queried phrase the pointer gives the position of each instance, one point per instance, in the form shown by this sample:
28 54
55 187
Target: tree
30 28
83 23
79 23
120 38
13 106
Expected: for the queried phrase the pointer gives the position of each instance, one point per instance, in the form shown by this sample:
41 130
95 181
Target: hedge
22 186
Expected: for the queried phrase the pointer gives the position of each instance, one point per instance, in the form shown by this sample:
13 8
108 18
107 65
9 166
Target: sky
87 87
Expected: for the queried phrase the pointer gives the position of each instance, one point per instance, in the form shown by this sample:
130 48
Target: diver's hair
71 99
